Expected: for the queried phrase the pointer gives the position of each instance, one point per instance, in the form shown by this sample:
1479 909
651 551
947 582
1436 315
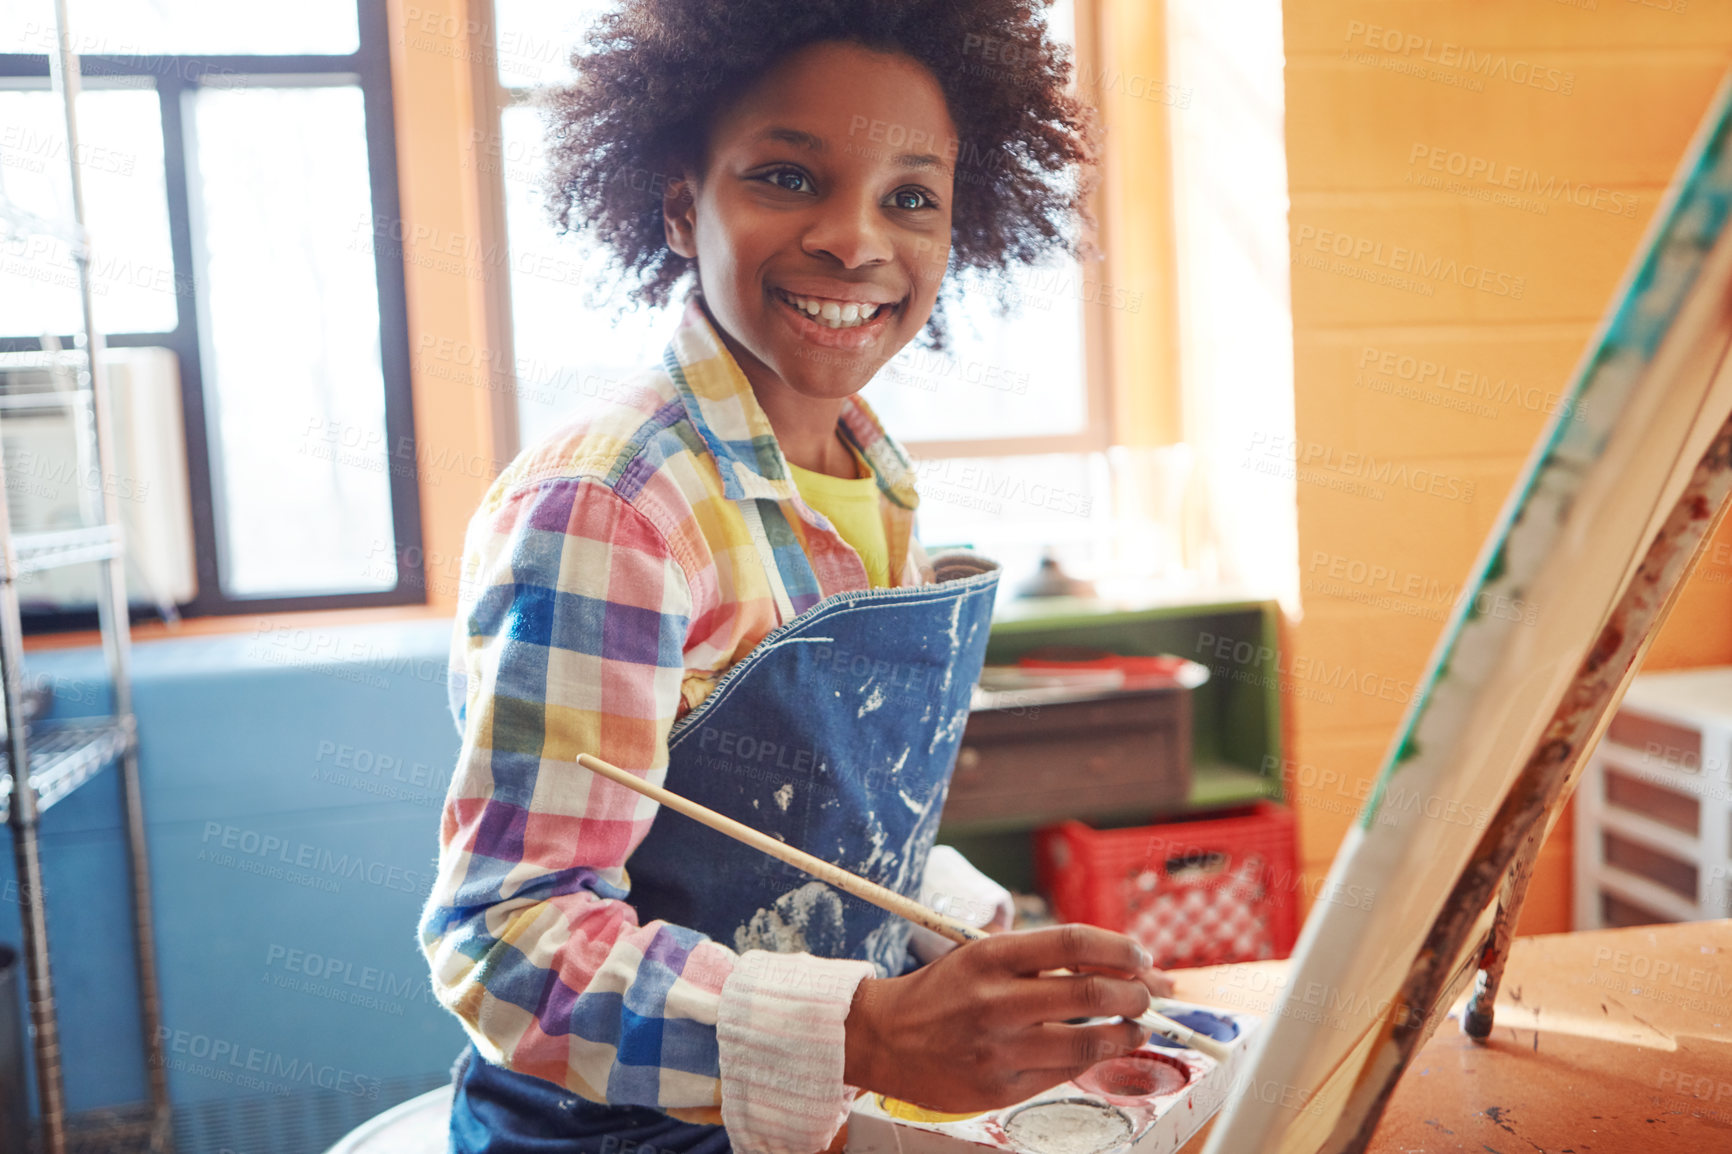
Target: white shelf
64 755
46 399
39 551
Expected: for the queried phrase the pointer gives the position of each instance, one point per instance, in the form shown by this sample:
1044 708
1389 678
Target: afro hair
654 73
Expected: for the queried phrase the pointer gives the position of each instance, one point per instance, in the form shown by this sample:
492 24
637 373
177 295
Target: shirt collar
737 432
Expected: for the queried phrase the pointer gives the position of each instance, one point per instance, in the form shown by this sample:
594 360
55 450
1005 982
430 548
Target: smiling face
821 218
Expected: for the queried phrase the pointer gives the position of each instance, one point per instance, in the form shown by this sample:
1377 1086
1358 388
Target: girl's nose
851 230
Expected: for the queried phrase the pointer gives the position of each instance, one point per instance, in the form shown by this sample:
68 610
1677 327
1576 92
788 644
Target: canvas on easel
1619 494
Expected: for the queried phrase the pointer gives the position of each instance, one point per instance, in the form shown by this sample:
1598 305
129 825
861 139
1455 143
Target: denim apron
837 734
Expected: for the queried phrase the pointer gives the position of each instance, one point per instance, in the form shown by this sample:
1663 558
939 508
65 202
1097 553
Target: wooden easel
1603 525
1503 862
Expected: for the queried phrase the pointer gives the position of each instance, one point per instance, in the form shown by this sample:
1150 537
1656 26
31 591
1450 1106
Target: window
240 174
1235 315
1006 426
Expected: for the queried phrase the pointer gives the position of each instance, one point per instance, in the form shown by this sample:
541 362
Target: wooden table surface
1607 1042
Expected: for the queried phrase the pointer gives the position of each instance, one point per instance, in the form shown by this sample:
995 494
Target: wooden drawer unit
1074 758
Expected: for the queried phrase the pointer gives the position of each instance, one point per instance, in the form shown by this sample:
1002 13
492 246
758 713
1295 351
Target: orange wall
1397 146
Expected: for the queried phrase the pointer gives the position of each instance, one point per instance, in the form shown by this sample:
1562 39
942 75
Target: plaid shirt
609 578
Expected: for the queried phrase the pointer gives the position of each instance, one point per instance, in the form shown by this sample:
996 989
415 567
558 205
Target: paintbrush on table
885 899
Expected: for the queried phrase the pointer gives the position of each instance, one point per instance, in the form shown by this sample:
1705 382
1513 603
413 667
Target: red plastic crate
1194 893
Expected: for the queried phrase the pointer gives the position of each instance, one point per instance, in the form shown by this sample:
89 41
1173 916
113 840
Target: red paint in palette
1136 1076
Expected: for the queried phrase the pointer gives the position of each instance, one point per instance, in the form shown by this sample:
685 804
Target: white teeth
833 315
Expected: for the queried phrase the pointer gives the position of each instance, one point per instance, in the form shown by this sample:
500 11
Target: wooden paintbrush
885 899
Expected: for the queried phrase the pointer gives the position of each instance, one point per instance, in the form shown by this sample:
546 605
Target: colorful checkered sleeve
609 579
571 639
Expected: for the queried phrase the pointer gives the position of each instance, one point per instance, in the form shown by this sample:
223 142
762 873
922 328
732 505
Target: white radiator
46 479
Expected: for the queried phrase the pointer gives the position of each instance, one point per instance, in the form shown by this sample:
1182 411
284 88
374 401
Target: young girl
714 583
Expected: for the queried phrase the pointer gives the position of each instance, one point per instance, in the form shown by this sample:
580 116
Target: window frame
176 78
492 98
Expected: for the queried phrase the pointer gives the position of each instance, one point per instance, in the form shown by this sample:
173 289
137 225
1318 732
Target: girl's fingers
1029 952
1090 996
1159 982
1087 1045
1052 1053
1062 998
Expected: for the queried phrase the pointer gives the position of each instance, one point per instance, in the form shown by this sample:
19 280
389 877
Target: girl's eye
791 179
911 199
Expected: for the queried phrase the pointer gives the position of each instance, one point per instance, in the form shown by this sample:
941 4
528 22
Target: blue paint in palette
1209 1025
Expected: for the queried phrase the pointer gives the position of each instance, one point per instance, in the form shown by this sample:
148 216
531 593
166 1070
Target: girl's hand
980 1027
1159 984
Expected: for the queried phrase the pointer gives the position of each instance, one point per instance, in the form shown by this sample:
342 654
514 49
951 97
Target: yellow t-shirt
851 505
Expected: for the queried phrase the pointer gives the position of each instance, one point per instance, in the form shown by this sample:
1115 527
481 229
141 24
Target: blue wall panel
292 784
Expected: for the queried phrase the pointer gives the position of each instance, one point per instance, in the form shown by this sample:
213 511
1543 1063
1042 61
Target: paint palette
1150 1101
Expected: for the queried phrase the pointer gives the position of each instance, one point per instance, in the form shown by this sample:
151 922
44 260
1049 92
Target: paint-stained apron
836 734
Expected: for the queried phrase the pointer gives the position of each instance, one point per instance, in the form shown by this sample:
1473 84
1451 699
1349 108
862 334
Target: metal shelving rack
62 755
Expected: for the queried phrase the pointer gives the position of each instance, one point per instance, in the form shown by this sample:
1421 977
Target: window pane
120 143
1021 375
535 38
292 368
184 27
568 347
1234 302
1018 376
1014 508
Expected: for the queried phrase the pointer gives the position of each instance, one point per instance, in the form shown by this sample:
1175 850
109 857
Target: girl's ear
680 215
